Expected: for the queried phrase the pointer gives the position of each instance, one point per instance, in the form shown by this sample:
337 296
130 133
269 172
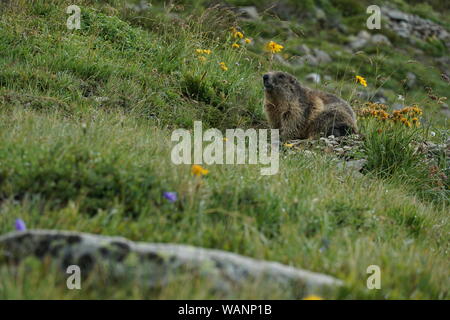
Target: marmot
301 113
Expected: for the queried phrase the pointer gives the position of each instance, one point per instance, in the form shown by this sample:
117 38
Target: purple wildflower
20 225
171 196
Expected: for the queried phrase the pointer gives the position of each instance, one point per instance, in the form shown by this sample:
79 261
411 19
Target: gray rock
443 35
403 31
280 60
432 149
310 60
250 13
313 77
445 110
379 39
320 14
139 7
379 97
443 61
363 34
304 49
297 61
397 106
356 165
333 143
358 43
411 80
322 56
414 27
155 264
395 14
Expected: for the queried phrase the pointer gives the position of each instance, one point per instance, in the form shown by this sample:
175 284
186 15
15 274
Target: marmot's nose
265 77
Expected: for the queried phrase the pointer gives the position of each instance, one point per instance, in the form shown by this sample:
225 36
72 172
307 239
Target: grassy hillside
85 123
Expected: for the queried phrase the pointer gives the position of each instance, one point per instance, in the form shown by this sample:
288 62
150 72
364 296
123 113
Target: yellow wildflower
235 45
361 80
238 34
203 51
288 145
312 297
248 40
408 116
223 66
198 170
274 47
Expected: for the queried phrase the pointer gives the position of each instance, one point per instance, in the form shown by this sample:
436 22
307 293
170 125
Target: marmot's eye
281 76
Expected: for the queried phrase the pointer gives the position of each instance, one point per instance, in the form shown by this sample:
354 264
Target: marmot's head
281 86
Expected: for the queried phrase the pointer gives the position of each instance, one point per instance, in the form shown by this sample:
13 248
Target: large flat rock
156 263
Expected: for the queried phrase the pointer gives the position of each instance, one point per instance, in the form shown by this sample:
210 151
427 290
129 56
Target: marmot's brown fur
301 113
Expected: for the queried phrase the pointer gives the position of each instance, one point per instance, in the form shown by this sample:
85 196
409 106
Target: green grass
122 169
85 124
391 151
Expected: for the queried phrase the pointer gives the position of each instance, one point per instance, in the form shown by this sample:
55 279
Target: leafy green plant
389 148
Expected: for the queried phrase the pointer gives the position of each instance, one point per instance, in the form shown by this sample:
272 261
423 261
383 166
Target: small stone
411 79
445 110
379 97
333 143
313 77
141 6
320 14
356 165
363 34
278 58
250 13
379 39
310 60
322 56
396 14
397 106
358 43
304 49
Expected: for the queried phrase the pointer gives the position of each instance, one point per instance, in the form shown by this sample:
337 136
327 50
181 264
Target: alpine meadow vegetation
86 118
